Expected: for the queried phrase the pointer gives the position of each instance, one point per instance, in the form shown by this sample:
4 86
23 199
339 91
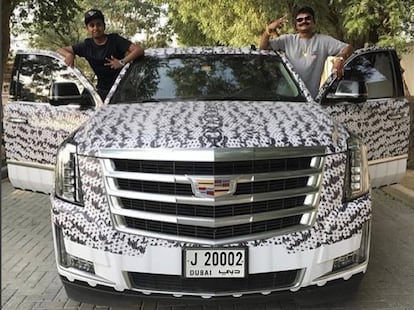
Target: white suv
207 171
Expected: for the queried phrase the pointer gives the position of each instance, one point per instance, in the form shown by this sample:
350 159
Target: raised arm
271 31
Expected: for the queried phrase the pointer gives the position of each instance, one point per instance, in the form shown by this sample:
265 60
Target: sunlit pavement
30 281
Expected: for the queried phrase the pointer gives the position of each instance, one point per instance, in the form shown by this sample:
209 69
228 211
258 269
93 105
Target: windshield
208 77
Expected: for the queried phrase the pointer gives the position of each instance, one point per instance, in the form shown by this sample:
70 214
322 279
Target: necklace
305 47
305 52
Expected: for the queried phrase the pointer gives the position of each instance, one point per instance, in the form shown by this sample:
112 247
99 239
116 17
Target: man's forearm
264 41
346 52
271 31
68 53
65 51
133 53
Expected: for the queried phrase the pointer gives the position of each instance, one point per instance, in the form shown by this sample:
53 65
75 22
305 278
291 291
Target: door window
40 77
376 70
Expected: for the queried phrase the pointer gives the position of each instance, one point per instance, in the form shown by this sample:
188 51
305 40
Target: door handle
397 116
18 120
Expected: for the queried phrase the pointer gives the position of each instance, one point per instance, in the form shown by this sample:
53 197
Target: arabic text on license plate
214 263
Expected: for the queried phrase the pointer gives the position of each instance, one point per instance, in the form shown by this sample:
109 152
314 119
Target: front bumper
158 270
334 292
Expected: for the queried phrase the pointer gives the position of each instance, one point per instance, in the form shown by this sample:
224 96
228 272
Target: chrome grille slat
226 240
206 155
213 233
211 222
241 178
207 211
210 201
162 193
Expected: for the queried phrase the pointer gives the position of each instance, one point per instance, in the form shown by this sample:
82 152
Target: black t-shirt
115 46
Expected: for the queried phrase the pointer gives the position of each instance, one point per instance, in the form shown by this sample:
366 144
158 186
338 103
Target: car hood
210 124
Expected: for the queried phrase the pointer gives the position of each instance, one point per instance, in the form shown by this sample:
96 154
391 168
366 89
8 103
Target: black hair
304 9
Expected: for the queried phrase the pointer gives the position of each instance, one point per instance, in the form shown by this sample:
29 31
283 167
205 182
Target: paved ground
30 281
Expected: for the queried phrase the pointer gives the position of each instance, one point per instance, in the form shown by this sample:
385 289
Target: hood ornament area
213 187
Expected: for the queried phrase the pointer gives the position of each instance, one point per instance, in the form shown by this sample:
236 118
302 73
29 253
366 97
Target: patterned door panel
37 118
382 121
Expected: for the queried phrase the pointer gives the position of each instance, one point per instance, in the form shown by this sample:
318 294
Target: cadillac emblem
209 187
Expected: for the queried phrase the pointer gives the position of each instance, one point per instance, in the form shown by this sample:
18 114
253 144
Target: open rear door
383 119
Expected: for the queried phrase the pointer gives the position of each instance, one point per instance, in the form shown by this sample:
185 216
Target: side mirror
63 93
348 90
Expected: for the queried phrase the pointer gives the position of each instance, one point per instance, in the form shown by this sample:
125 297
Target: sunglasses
301 19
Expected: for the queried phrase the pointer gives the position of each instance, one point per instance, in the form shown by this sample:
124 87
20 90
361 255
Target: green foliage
240 23
20 15
129 17
64 24
385 23
189 33
219 22
53 23
45 14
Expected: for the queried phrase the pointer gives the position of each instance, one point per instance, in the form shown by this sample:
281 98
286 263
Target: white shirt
308 56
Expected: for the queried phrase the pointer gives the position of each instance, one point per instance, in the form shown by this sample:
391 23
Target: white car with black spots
207 172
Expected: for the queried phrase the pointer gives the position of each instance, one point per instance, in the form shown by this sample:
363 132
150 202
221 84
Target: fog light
344 261
356 257
69 261
81 264
363 251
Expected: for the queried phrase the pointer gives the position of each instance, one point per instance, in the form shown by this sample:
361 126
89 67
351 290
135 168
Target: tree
128 18
206 22
22 13
42 15
5 31
240 23
389 22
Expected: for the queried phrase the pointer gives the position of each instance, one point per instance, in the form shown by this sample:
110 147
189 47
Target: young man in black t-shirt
106 53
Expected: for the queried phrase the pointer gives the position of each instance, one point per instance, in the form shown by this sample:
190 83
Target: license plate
214 262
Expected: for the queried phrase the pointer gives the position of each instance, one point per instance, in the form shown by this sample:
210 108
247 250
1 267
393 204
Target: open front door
48 100
382 120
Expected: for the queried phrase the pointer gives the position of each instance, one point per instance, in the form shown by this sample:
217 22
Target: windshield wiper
148 100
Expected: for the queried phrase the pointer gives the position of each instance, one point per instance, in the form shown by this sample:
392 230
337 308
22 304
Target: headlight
68 185
356 175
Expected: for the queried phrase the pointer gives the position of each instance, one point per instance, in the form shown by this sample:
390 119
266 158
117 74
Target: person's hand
70 59
274 25
338 67
113 63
